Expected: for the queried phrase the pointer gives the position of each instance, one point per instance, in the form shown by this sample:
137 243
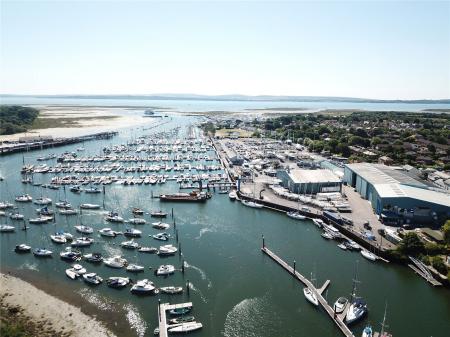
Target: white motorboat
58 238
161 236
319 222
113 217
82 242
93 257
6 204
129 244
171 290
310 296
67 235
342 246
165 269
368 255
71 274
7 229
137 211
251 204
158 214
137 221
232 195
296 215
149 250
68 211
42 252
16 216
185 327
45 211
92 278
63 204
84 229
92 190
22 248
79 269
131 232
326 235
108 232
40 220
42 201
117 282
167 250
340 305
89 206
143 287
115 262
135 268
70 255
353 245
24 198
160 225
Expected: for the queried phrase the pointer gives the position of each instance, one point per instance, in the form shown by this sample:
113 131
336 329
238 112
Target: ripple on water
29 266
135 319
200 271
100 302
250 318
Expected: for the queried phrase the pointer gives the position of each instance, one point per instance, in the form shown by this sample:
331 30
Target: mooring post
294 266
176 234
187 287
263 241
172 212
179 248
182 266
159 309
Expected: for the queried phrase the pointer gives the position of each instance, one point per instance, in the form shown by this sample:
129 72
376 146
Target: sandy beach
49 313
82 120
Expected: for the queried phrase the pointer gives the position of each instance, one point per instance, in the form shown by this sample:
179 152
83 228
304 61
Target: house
385 160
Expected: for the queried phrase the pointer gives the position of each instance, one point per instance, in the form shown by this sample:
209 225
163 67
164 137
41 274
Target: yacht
134 268
343 246
358 308
149 250
82 242
251 204
167 250
318 222
93 257
115 262
22 248
63 204
185 327
232 195
310 296
295 215
42 252
368 255
326 235
171 290
131 232
16 216
40 220
6 204
353 245
92 190
70 255
89 206
117 282
158 214
58 238
108 232
340 305
160 225
45 211
161 236
7 229
68 211
84 229
42 201
92 278
129 244
137 211
143 287
24 198
113 217
137 221
165 269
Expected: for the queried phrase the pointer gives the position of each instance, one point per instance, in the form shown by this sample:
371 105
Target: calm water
204 105
237 292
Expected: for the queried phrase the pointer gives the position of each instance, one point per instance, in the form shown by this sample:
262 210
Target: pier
337 319
162 319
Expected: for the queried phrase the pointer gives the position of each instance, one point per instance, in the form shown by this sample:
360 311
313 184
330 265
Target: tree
446 230
411 244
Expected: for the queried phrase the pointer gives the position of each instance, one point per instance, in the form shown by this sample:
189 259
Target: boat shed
309 181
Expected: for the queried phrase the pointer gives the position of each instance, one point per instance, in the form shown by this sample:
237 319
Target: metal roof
299 176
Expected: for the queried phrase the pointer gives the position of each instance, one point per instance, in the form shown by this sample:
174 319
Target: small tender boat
84 229
131 232
92 190
342 246
326 235
115 262
16 216
368 255
117 282
160 225
68 211
42 252
232 195
92 278
129 244
171 290
310 296
134 268
71 274
24 198
7 229
161 236
22 248
185 327
183 319
158 214
108 232
251 204
149 250
167 250
340 304
137 211
143 287
82 242
79 269
367 332
42 201
58 238
165 269
113 217
137 221
75 189
296 215
93 257
89 206
180 311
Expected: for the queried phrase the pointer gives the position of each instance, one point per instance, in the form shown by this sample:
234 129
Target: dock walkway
162 318
337 319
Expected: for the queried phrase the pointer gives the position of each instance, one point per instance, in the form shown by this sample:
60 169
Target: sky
381 50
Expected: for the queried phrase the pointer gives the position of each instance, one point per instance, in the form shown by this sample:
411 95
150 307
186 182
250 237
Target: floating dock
162 318
337 319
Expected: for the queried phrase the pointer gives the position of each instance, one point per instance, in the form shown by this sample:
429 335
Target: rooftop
313 176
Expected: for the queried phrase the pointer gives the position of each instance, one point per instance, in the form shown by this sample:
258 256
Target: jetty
422 270
162 318
338 319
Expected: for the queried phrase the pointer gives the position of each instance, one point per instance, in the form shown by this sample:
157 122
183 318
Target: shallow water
236 290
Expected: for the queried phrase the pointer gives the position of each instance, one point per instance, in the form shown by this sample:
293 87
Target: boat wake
200 271
203 231
193 288
249 318
134 318
94 298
